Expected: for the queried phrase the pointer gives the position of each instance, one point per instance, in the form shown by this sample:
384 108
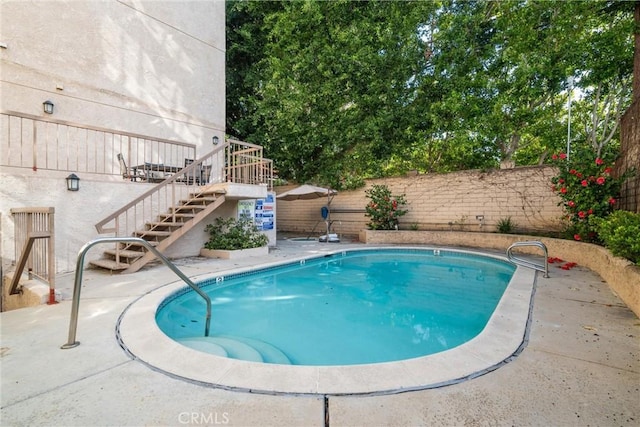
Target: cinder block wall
441 202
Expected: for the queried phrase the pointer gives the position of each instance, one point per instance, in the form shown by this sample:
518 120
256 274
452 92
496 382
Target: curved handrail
530 264
73 323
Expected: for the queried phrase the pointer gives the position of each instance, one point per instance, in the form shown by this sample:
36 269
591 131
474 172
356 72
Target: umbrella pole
329 197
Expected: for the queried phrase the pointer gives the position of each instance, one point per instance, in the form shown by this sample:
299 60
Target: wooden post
51 259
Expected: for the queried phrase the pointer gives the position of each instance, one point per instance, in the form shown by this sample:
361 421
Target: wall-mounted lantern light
73 182
215 140
48 106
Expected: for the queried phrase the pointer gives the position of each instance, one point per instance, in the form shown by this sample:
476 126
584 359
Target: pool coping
502 339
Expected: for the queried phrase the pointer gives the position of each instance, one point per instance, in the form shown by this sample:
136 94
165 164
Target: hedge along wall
440 202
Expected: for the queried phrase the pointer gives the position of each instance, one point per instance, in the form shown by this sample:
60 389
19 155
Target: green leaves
341 90
619 232
232 234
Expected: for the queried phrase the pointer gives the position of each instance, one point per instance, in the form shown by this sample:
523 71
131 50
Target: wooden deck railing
178 186
233 161
34 246
247 165
36 143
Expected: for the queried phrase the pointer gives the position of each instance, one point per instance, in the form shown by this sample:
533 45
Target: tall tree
246 35
341 90
636 52
604 75
336 84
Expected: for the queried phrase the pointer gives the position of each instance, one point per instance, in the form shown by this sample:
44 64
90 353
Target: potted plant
230 238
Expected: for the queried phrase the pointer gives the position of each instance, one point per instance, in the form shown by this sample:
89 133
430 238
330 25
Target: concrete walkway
581 366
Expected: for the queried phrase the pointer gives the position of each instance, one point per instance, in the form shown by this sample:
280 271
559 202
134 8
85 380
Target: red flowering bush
384 209
587 190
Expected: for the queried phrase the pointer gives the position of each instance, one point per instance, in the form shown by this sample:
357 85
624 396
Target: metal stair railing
530 264
73 323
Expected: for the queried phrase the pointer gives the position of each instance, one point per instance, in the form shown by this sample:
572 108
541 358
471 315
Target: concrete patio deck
581 366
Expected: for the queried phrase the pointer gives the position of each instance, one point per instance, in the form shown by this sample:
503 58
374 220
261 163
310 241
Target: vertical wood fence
34 246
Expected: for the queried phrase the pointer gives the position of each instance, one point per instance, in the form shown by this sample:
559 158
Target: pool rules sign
263 213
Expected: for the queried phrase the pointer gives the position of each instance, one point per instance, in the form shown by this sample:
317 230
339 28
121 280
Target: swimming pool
352 307
500 340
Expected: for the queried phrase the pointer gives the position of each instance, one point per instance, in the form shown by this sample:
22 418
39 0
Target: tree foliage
339 91
246 33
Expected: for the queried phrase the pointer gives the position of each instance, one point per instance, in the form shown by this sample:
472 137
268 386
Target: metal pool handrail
73 323
530 264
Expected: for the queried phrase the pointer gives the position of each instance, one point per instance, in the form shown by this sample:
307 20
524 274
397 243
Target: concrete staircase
166 229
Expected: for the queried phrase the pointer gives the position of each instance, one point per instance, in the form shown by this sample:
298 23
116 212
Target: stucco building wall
154 68
441 202
144 67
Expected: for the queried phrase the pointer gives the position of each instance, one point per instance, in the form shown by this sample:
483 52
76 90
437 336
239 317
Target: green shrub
232 234
620 232
384 209
506 225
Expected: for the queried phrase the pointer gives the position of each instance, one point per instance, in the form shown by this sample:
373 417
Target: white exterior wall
154 68
149 67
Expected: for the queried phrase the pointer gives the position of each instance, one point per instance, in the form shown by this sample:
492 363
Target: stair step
235 349
177 215
209 191
188 207
156 233
269 352
140 245
109 264
206 346
204 196
165 224
195 199
125 253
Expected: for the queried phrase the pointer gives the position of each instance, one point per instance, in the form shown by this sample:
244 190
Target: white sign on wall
246 209
263 214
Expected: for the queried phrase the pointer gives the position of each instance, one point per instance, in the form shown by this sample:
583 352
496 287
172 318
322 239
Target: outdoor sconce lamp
48 107
73 182
215 140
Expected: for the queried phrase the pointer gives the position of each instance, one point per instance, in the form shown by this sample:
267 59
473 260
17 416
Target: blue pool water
354 307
